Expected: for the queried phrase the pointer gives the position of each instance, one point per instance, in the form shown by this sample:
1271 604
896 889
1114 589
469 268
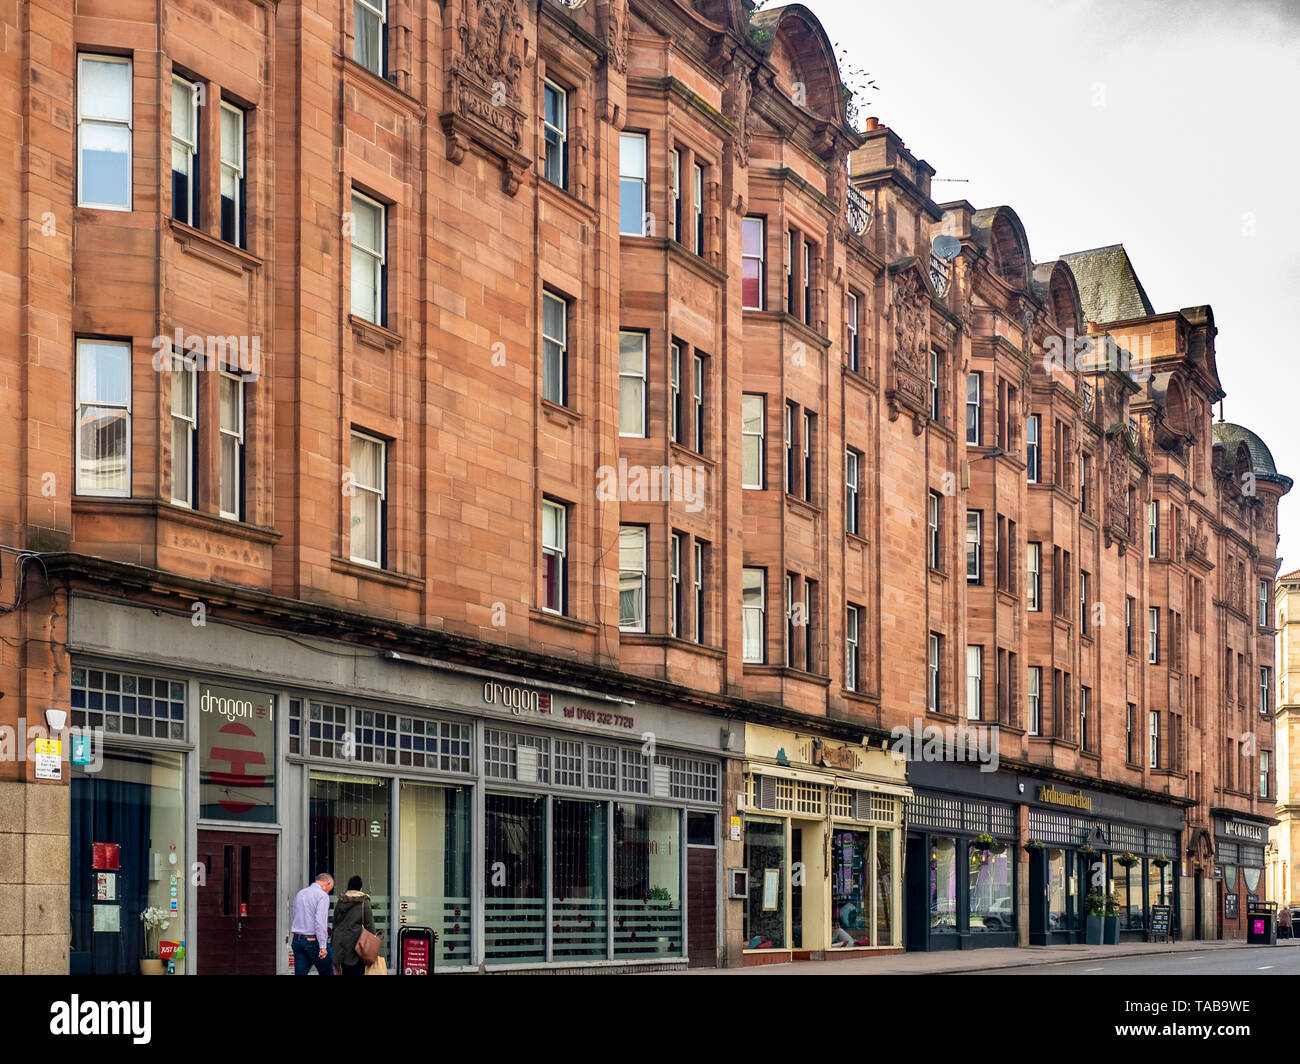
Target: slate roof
1261 458
1108 285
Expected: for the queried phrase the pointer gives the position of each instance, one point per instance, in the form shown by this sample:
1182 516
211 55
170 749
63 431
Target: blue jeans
306 956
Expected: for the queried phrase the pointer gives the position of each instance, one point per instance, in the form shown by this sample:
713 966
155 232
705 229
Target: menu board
1230 906
1160 919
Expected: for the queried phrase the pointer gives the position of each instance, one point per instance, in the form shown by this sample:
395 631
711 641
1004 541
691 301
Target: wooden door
237 904
702 906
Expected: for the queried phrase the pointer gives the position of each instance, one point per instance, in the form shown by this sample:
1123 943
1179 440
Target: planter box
1111 931
1094 931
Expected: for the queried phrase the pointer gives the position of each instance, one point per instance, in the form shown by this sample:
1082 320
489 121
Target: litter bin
1261 923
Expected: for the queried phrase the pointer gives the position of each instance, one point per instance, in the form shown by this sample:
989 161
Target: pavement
956 962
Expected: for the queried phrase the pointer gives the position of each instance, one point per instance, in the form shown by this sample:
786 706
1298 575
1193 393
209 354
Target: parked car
1000 916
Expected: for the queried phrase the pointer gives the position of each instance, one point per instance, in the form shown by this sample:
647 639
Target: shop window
327 727
884 882
502 758
349 834
237 741
602 767
647 881
691 779
514 879
1058 873
851 888
134 801
765 858
991 907
636 771
1159 884
435 845
1128 892
568 763
128 704
579 902
702 829
943 885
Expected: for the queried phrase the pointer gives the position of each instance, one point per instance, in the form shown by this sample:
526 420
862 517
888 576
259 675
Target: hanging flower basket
984 842
1127 860
1088 851
1032 845
1160 862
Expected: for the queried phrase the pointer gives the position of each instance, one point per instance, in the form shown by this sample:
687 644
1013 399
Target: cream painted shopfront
822 830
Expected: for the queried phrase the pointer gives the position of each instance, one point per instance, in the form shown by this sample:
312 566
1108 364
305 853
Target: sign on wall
237 754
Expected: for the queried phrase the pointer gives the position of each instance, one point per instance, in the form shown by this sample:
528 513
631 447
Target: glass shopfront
814 883
765 859
851 888
127 854
964 849
349 835
514 875
567 876
434 842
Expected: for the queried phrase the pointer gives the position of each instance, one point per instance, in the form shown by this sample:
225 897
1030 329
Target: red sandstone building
540 459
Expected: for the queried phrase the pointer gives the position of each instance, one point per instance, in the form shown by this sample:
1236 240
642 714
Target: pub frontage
529 826
1003 858
1239 846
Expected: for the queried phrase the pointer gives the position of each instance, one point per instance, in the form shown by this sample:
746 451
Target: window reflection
943 885
990 889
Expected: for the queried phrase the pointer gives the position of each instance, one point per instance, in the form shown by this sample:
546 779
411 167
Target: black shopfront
1084 841
970 844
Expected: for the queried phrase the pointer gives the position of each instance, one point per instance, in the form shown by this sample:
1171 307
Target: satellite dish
946 247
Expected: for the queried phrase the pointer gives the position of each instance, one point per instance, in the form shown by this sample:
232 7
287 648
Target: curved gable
1000 233
804 59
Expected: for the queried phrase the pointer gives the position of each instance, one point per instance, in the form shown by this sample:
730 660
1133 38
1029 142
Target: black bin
1261 924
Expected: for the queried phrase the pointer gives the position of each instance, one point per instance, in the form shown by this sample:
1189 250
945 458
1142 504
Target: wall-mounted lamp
56 718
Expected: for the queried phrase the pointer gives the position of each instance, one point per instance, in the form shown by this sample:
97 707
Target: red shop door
236 904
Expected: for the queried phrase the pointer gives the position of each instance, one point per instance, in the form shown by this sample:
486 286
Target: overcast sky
1170 127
